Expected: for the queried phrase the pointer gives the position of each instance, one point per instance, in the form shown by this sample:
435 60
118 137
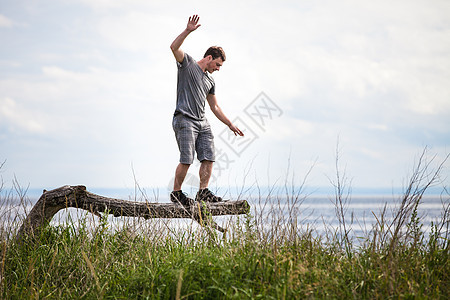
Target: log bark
78 197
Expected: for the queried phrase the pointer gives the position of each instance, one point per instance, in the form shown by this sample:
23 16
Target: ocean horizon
308 207
161 194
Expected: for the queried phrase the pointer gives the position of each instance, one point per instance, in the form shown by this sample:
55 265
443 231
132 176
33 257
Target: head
216 57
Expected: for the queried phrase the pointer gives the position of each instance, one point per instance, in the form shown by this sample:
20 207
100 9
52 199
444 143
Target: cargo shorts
193 136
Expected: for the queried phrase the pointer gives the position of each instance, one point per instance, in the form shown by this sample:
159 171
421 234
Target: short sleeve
187 59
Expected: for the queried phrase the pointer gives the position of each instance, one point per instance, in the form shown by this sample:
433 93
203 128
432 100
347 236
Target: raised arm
212 101
176 44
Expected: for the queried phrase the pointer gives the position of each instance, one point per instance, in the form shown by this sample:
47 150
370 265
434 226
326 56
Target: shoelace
208 194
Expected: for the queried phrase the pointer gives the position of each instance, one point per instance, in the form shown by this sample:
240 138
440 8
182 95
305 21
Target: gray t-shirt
192 88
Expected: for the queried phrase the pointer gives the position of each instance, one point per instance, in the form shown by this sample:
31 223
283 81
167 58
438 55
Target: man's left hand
236 130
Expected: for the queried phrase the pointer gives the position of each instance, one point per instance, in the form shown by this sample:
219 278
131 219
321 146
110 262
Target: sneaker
180 197
207 196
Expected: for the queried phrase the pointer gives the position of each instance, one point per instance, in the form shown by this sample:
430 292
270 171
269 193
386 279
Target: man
195 86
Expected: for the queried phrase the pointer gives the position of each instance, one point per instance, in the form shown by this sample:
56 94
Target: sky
88 90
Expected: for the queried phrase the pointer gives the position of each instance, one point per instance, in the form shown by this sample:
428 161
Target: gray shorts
193 135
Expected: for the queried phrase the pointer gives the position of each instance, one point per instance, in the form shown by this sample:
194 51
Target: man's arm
176 44
212 101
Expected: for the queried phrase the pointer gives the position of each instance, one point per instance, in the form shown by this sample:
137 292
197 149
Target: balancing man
195 86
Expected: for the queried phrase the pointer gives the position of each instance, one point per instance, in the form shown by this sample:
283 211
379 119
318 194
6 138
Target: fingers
192 23
237 131
194 19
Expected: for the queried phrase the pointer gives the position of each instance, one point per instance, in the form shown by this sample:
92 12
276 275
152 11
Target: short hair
215 52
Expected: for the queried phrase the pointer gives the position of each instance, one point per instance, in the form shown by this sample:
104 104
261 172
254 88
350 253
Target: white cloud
107 4
5 22
373 73
137 31
18 118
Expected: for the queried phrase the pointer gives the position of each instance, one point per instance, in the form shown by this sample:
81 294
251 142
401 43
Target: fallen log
78 197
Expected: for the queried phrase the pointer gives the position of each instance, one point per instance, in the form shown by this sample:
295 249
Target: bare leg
205 173
180 174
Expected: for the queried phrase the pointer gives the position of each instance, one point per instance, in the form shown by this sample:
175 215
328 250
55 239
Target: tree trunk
76 196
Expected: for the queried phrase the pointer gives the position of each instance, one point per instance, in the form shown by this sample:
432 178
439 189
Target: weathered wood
78 197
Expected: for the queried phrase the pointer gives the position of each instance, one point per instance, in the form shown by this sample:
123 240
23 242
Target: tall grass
265 254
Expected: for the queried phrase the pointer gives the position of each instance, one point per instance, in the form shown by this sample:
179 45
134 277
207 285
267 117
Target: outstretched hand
192 23
236 130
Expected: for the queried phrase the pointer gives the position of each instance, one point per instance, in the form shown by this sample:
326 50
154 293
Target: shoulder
187 60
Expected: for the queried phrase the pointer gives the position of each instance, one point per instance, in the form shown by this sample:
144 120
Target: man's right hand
176 44
192 23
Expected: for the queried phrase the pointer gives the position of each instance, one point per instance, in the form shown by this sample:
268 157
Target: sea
270 209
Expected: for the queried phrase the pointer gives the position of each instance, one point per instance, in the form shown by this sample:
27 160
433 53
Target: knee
182 166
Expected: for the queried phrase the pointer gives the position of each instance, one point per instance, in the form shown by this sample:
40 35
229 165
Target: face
214 64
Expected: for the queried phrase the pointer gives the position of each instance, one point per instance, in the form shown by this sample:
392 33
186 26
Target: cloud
136 31
5 22
106 4
15 117
373 73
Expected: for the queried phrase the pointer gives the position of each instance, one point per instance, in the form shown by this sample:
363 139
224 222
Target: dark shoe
180 197
207 196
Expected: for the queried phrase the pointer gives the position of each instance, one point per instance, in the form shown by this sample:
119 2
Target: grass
70 262
261 257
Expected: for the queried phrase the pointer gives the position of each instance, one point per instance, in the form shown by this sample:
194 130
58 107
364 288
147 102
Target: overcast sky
88 89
